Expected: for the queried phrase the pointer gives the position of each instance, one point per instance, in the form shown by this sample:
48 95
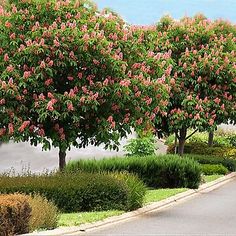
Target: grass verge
153 195
209 178
76 219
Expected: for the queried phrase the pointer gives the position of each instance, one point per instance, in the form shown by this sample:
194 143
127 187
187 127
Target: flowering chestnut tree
203 84
69 76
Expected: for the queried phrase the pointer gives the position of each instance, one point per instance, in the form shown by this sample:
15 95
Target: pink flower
86 37
48 82
10 129
2 131
217 100
80 75
70 107
41 97
211 122
41 132
42 65
82 99
27 74
2 101
63 26
10 68
197 117
126 120
70 78
199 79
23 126
50 106
110 119
125 83
6 57
50 95
137 94
139 121
56 43
50 63
8 24
113 124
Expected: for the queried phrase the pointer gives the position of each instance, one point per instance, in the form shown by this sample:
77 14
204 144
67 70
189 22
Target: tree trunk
62 159
210 138
182 139
176 143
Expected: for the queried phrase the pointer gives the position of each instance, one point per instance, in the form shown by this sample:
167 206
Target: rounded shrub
15 212
230 164
209 169
44 214
76 192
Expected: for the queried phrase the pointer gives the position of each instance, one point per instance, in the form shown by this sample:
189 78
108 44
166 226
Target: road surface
209 214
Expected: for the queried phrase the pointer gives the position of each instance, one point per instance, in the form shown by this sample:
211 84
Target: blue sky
149 11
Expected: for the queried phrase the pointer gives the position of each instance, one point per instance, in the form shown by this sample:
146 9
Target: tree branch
176 134
191 134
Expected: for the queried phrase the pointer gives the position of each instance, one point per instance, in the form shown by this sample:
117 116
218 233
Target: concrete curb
171 201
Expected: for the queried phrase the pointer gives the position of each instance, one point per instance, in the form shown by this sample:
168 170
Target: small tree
66 80
204 75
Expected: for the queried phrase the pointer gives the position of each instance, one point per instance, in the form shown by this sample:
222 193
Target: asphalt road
208 214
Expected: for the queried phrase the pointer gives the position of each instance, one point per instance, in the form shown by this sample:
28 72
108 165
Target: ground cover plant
156 171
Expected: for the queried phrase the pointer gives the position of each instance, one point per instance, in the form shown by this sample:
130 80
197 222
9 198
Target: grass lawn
76 219
156 195
209 178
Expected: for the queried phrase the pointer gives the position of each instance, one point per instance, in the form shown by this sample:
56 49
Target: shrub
209 169
142 146
200 148
203 159
44 213
74 192
14 214
136 190
156 171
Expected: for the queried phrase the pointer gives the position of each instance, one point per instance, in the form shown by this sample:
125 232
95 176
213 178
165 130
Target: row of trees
71 75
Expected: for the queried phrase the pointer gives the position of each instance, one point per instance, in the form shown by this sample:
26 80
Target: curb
171 201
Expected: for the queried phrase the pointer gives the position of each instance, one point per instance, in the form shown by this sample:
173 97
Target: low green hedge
213 160
168 171
200 148
81 191
209 169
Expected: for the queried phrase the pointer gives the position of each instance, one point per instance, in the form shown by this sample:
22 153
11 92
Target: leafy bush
44 214
203 149
75 192
142 146
156 171
203 159
136 189
209 169
14 214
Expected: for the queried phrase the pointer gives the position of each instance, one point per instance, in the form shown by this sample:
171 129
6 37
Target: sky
146 12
